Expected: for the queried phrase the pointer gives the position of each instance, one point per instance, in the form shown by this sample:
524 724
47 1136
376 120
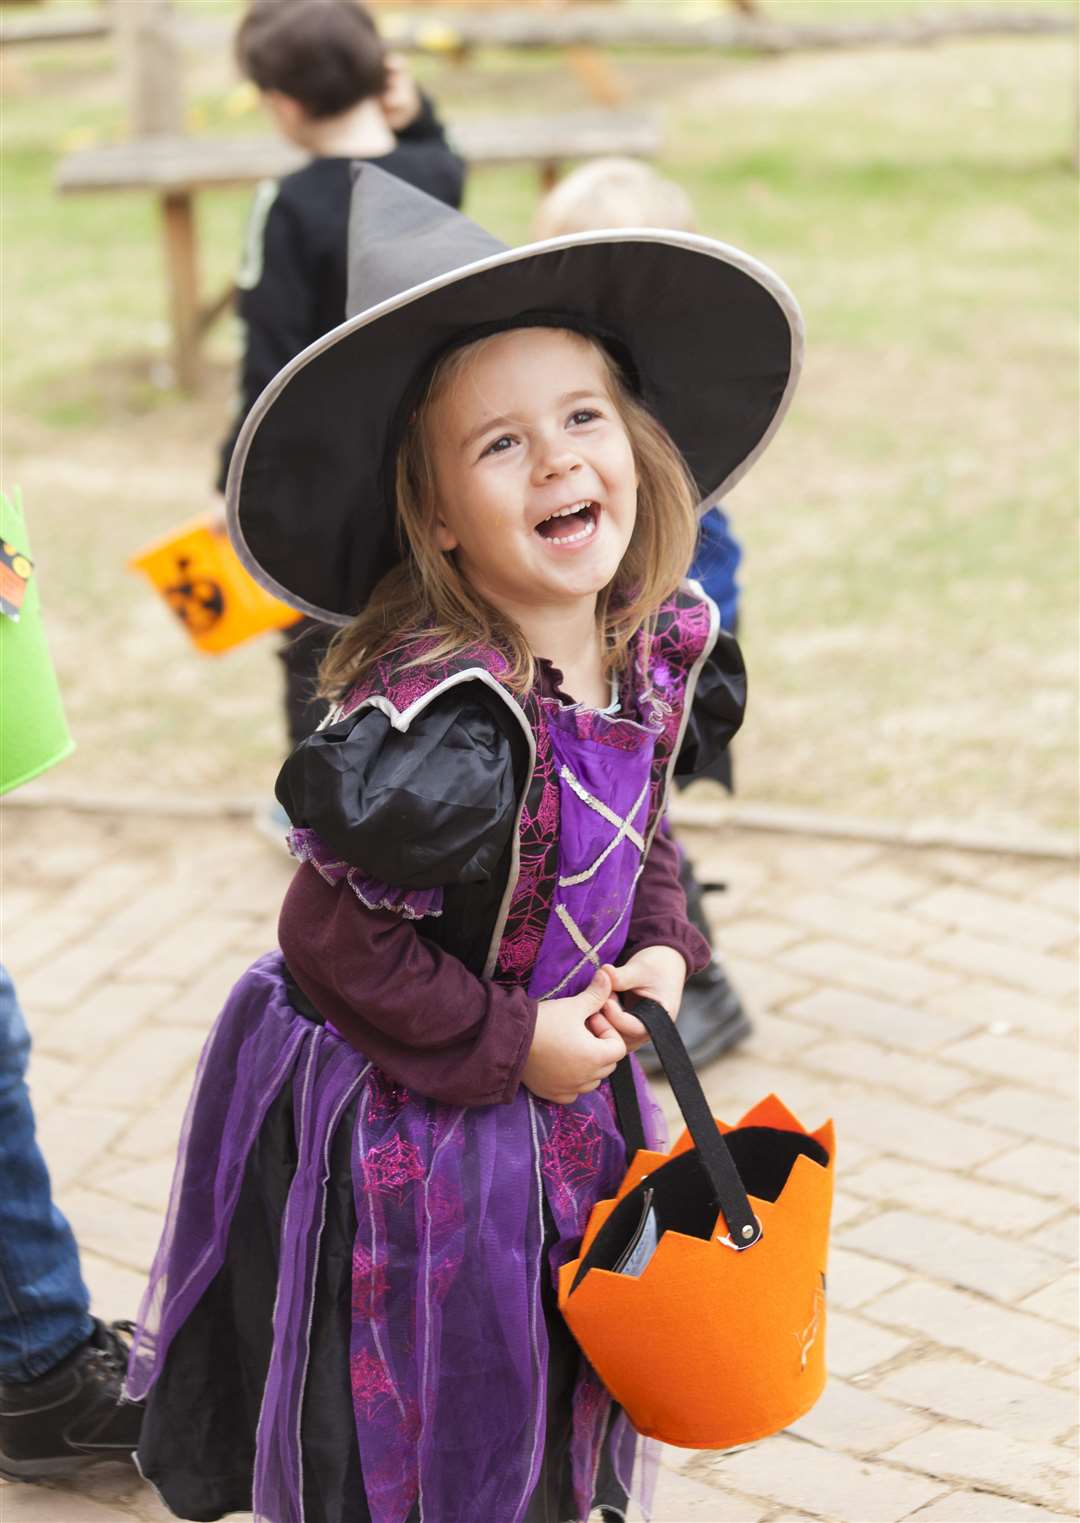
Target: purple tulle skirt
442 1228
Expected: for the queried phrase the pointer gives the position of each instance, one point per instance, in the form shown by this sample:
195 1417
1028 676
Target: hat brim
716 337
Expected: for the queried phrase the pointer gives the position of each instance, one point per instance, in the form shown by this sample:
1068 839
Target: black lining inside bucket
683 1198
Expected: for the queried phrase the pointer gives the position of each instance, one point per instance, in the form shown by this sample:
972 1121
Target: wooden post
181 263
150 63
151 67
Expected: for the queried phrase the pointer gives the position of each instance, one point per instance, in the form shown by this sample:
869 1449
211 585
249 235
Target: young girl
402 1120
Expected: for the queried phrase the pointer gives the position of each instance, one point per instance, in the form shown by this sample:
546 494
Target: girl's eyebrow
501 420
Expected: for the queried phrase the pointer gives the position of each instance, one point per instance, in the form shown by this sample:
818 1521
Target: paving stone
740 1079
73 1138
832 1486
154 1057
107 1015
147 1185
885 884
1023 1110
816 861
190 944
116 1486
920 1078
852 1419
949 1195
849 1208
990 1262
855 1279
48 1079
855 1345
913 1131
1049 976
992 1006
964 866
1013 1339
115 1290
1062 1237
27 946
997 916
200 1002
1061 892
762 985
975 1393
147 919
69 974
157 1131
21 905
1037 1473
1060 1300
1033 1166
756 936
776 1040
100 892
896 1025
893 978
853 919
984 1507
40 1504
1016 1058
114 1229
681 1498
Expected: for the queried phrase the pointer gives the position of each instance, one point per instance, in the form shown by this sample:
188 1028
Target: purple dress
408 1316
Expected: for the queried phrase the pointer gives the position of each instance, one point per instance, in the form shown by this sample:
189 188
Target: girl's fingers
596 995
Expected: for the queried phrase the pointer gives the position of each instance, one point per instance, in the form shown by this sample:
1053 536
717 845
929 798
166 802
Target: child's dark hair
326 54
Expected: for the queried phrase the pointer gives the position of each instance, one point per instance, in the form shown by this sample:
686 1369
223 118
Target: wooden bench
176 169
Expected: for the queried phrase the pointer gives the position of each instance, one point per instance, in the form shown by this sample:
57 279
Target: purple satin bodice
603 764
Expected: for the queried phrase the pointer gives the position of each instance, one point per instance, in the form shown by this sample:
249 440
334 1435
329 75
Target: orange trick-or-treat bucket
200 576
699 1293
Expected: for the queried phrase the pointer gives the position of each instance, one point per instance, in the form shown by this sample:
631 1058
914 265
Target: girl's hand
657 973
574 1048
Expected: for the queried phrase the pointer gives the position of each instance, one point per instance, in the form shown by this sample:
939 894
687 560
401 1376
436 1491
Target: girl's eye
584 415
498 446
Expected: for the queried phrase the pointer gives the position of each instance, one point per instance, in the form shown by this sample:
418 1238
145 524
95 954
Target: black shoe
72 1416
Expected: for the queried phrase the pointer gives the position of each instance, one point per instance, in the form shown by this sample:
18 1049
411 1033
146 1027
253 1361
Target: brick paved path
926 999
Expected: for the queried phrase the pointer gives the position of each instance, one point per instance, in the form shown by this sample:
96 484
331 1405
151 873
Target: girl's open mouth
570 526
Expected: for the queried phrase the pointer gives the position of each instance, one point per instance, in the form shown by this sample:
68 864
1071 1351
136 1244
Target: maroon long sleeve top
415 1009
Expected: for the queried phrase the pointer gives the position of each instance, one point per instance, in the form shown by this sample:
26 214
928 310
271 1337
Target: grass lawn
910 574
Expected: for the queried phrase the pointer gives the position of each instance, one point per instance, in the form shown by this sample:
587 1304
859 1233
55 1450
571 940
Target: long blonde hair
426 597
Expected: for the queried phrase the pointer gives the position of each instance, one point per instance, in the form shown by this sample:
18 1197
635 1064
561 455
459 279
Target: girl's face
534 472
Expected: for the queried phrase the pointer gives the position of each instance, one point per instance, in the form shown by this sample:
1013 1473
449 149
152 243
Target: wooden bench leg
181 264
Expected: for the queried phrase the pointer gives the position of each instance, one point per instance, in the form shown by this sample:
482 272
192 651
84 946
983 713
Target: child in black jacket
325 76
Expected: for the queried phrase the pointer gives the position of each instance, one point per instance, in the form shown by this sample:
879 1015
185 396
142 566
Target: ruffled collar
550 682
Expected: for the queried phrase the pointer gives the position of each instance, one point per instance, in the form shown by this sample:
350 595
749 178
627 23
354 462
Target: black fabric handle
744 1229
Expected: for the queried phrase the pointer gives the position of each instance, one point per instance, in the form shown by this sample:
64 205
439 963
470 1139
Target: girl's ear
445 537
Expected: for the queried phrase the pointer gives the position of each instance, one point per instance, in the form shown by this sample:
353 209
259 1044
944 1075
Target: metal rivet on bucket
748 1230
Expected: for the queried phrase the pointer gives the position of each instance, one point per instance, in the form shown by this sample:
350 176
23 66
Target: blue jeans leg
44 1305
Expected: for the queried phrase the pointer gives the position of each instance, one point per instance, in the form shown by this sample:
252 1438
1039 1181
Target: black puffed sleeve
423 808
717 710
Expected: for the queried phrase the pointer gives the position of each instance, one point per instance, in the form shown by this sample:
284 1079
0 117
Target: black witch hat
711 339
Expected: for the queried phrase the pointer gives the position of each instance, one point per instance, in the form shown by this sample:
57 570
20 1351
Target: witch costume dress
351 1317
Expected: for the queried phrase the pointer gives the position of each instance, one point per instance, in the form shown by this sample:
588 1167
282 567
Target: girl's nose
555 462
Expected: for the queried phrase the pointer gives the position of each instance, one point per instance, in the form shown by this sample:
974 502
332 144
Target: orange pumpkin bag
699 1293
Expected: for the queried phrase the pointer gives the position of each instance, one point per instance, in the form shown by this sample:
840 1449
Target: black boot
72 1416
711 1019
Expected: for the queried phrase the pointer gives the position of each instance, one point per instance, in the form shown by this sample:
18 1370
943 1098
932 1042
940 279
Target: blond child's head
529 471
613 193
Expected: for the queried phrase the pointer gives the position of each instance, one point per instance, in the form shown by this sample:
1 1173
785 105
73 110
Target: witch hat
712 340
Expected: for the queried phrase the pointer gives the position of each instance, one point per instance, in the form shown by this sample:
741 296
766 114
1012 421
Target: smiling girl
403 1119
